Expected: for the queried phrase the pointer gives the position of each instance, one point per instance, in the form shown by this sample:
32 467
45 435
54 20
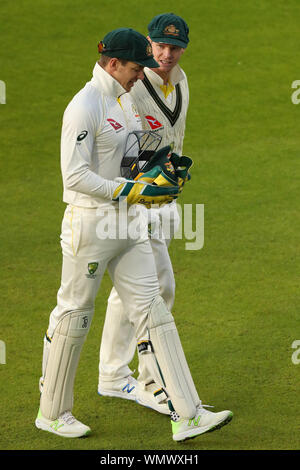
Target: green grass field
237 299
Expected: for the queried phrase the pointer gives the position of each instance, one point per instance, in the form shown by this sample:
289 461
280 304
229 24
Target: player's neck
164 75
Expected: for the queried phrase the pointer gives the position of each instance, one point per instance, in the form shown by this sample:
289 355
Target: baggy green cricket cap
128 44
169 28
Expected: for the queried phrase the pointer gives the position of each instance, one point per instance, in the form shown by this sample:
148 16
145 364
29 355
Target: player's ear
114 64
149 39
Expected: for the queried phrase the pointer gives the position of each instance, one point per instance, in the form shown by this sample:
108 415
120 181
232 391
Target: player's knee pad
63 357
170 359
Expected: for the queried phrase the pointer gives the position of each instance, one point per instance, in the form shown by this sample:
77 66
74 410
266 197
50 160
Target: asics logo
82 136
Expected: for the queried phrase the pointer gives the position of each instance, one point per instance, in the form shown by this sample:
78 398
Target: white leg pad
46 349
171 359
150 364
65 349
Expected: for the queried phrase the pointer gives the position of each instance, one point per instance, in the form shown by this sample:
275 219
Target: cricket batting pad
66 345
46 349
170 356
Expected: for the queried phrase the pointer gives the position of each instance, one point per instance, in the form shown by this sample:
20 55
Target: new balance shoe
204 421
125 388
152 396
65 425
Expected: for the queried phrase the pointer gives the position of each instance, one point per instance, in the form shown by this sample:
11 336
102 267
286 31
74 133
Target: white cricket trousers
118 343
88 252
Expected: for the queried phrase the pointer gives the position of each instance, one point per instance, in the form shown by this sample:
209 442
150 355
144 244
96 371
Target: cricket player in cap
162 99
95 128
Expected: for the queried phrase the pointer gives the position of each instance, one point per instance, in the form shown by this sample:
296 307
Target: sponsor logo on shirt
136 113
116 125
153 122
82 136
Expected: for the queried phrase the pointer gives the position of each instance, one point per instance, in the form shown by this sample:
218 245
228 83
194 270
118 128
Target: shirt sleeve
186 98
79 129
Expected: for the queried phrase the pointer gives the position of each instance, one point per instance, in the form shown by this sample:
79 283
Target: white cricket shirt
165 115
95 127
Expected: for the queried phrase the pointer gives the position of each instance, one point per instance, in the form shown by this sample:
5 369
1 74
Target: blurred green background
237 299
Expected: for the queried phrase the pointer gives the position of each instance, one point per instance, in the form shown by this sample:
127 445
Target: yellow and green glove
160 183
182 167
170 168
141 192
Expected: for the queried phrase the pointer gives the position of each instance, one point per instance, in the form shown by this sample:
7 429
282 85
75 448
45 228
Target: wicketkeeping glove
182 166
160 166
137 192
173 168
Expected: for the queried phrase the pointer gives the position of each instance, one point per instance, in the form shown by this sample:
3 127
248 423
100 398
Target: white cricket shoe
152 396
130 389
125 388
204 421
65 425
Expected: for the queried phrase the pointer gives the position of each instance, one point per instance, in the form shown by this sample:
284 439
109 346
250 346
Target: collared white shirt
165 115
95 127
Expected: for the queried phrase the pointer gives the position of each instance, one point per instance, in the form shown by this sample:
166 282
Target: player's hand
141 192
158 177
171 168
160 166
182 167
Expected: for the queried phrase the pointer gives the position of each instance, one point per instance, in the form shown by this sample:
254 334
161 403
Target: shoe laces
130 380
201 409
67 417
